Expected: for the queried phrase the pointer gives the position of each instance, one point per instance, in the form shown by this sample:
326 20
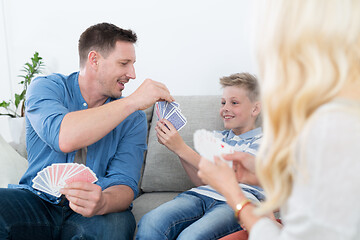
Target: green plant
31 69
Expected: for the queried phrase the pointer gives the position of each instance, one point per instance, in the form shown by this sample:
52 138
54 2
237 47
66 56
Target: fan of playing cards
52 178
171 111
208 146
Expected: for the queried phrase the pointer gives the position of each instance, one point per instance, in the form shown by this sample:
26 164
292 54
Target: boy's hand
169 136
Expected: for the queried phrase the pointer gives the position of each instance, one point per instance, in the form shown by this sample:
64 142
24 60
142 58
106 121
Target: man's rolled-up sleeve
125 167
45 109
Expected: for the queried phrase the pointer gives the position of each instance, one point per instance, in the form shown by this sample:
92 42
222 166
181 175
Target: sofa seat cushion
148 201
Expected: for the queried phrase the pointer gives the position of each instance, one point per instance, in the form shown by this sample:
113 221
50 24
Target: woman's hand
219 175
223 179
244 167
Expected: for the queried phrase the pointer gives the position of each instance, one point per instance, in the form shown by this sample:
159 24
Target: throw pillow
12 164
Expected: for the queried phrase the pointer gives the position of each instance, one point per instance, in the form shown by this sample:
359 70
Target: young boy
201 212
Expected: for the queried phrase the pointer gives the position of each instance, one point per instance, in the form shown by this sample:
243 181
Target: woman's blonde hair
307 51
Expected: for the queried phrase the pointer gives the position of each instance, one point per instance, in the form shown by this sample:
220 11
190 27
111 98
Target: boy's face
237 111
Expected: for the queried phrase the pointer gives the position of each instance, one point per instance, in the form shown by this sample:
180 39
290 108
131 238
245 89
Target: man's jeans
23 215
188 216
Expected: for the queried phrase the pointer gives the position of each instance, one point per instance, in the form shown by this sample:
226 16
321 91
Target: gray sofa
162 175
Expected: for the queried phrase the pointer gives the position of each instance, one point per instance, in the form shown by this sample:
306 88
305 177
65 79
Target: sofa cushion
13 132
13 166
149 113
163 170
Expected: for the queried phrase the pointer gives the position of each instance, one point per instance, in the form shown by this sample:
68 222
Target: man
82 118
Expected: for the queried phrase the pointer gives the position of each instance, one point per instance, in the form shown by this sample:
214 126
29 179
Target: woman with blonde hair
309 161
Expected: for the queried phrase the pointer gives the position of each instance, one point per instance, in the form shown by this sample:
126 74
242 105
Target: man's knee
22 216
110 226
123 224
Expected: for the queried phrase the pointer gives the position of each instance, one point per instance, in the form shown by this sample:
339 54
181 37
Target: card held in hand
208 146
52 178
171 111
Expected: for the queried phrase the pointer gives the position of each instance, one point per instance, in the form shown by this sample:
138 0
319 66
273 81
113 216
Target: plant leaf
30 69
4 104
17 100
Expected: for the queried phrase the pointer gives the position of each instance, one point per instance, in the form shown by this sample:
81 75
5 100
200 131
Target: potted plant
12 123
31 69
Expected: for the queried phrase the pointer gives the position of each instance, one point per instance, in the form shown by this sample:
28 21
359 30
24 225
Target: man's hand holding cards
52 178
208 146
170 111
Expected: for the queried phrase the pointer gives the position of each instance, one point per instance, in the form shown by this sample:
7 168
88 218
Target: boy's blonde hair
244 80
309 50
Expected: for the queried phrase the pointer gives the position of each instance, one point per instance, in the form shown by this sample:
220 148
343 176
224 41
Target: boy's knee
149 227
147 222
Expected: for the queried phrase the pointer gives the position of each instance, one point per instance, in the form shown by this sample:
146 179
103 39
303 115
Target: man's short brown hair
102 37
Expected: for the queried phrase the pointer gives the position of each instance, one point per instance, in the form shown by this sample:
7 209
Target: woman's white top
325 200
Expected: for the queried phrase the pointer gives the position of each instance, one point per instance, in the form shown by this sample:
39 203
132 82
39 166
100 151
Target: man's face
237 110
116 69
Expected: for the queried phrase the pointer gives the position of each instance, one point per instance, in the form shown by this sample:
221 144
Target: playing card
75 170
170 111
83 175
46 174
61 169
51 173
43 175
41 182
161 106
45 190
43 185
208 146
170 107
177 119
157 110
175 104
52 178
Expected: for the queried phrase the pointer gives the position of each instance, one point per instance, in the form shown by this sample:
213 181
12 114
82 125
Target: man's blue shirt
116 159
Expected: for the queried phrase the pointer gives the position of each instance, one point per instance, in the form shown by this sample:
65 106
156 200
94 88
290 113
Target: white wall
187 44
5 80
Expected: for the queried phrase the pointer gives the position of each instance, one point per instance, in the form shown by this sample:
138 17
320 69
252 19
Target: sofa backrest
163 170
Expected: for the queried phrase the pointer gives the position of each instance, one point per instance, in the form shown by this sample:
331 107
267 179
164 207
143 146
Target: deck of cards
208 146
171 111
52 178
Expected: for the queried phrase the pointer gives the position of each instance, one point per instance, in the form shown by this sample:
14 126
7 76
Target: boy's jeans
23 215
188 216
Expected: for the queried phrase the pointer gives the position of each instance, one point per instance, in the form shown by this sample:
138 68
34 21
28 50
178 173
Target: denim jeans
23 215
188 216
